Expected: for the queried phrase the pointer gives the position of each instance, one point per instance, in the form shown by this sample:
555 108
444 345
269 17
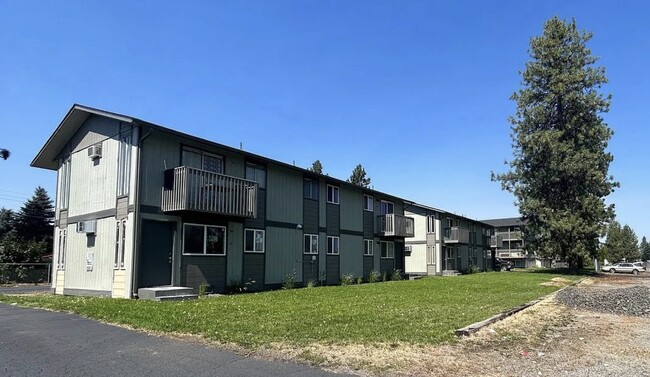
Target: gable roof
78 114
508 221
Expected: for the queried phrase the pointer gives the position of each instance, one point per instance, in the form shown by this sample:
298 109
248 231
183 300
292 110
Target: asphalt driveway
24 289
41 343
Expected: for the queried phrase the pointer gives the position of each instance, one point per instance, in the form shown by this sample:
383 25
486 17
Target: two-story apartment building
444 242
508 242
140 205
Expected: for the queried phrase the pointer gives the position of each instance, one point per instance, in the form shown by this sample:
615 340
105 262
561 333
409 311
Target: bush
312 283
289 280
396 275
347 279
204 289
237 286
385 276
373 276
359 280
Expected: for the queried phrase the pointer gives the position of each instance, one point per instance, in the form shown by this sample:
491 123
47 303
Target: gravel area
630 301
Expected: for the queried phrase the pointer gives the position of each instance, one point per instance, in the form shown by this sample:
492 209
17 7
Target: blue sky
418 92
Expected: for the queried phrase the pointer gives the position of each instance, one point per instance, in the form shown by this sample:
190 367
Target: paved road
41 343
22 289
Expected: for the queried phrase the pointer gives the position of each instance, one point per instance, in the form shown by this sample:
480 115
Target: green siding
333 219
197 270
310 268
283 254
368 224
258 222
235 240
253 270
351 254
322 204
368 265
333 270
351 209
322 254
284 195
310 216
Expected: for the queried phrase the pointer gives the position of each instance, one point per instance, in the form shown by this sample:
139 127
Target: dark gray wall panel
310 216
333 275
333 220
386 265
258 222
310 268
368 265
197 270
368 224
253 270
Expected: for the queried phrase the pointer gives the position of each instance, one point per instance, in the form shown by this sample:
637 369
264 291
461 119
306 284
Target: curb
474 327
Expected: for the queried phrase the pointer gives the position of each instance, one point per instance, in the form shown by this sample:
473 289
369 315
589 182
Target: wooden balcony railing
496 241
513 235
190 189
456 235
392 225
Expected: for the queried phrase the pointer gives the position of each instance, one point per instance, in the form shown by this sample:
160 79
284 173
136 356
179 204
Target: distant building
508 242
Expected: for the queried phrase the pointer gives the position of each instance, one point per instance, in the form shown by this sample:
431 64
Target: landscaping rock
632 301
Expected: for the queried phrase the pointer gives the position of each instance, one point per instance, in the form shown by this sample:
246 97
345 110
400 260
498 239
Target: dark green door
155 264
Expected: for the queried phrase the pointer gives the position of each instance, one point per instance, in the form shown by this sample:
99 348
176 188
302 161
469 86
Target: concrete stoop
451 273
166 293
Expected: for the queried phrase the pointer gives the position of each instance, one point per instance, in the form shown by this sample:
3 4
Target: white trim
335 198
263 241
335 251
310 243
370 242
205 239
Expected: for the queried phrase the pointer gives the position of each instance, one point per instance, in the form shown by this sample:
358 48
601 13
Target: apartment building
508 242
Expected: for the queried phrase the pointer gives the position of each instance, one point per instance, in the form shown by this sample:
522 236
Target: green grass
425 311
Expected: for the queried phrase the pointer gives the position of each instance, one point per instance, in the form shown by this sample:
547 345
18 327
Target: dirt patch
557 282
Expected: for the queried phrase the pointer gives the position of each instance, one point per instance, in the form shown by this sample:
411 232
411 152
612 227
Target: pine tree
34 223
559 171
645 249
630 245
317 167
358 177
7 222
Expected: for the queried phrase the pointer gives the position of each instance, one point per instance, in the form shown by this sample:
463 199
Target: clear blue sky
418 92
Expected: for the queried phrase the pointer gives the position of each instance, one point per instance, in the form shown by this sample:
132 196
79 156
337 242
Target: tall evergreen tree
559 171
645 249
621 244
34 221
358 177
317 167
7 222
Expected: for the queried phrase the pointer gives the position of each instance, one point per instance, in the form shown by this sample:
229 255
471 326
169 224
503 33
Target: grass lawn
425 311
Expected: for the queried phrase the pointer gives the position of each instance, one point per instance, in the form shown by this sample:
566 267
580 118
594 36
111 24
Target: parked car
624 267
503 265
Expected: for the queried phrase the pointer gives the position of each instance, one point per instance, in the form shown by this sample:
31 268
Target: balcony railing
456 235
190 189
392 225
513 235
496 241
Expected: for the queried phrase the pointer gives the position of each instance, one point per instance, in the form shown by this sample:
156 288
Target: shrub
347 279
396 275
373 276
359 280
289 280
236 286
385 276
312 283
204 289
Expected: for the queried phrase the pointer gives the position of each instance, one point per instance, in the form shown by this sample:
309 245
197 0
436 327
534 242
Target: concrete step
152 293
177 298
451 273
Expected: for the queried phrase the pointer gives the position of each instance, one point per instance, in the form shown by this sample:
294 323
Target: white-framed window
120 244
124 164
64 183
254 241
431 224
386 207
368 203
310 244
256 173
195 158
387 249
332 194
332 245
368 247
310 188
60 261
199 239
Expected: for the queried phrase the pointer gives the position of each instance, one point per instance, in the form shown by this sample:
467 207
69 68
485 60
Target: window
386 207
202 160
204 239
332 245
450 222
60 262
431 224
64 183
332 194
387 249
368 247
311 244
254 241
124 165
310 188
367 203
120 244
256 173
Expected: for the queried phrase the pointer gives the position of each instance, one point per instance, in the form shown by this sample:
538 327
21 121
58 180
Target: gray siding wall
310 216
122 207
235 255
351 209
351 255
368 224
197 270
386 265
284 195
258 222
333 220
283 254
254 270
310 268
333 270
368 265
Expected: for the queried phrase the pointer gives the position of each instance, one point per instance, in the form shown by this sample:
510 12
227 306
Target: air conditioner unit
95 151
407 250
88 226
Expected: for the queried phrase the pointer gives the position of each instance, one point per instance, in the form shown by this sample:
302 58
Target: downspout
136 217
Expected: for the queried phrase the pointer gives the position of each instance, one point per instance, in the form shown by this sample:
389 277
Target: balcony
510 236
196 190
496 241
392 225
456 235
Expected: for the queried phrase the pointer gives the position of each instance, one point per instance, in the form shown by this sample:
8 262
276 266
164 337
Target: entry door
155 264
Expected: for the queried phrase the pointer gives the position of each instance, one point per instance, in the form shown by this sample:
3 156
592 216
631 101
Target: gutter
136 216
